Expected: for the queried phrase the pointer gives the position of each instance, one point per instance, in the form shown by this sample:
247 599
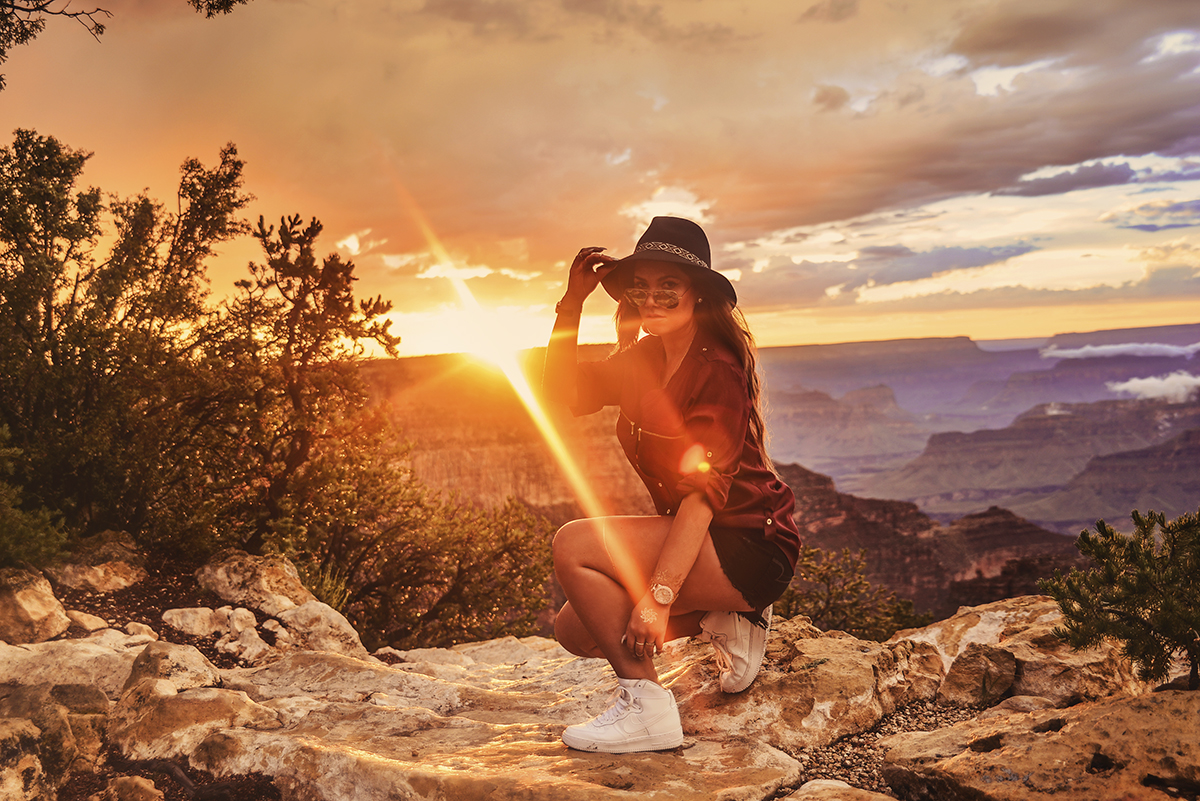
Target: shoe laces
721 653
619 704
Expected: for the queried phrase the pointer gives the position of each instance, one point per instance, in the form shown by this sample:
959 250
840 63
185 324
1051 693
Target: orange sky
866 169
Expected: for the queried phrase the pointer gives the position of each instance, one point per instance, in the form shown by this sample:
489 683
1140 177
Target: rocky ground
171 584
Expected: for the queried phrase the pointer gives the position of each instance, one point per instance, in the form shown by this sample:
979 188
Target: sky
865 169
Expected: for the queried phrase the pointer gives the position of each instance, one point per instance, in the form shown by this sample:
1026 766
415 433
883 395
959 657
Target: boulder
831 790
101 664
247 646
196 621
29 612
102 563
810 693
1123 747
267 583
1008 648
88 623
22 777
70 718
136 629
155 721
315 626
181 666
129 788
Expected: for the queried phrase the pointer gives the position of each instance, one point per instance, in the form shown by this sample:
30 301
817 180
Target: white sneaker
739 644
642 717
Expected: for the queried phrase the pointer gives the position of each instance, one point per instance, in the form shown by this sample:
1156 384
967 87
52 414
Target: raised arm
559 378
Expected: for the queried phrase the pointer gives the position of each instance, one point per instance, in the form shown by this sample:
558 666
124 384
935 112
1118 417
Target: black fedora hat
676 240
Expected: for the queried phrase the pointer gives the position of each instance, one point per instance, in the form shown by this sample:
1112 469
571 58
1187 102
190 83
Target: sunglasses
667 298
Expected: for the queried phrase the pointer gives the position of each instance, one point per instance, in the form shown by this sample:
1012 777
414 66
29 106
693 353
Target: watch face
663 594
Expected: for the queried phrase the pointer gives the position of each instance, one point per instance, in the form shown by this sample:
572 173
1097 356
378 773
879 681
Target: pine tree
1143 593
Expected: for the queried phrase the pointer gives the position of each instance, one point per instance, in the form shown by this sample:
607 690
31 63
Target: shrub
1143 593
833 591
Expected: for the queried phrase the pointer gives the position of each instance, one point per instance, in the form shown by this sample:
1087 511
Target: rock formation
937 567
328 722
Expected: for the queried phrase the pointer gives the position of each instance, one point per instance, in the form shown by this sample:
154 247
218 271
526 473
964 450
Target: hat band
669 248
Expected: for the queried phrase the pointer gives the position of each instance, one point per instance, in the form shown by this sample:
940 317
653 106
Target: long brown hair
719 318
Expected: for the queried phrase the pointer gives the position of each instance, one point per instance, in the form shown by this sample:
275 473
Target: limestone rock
831 790
247 646
113 638
1117 748
88 623
105 562
1017 704
136 629
56 742
155 721
104 665
268 583
196 621
181 666
22 777
1008 648
129 788
812 692
319 627
29 612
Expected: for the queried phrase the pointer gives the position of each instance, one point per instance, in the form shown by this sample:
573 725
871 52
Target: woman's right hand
588 269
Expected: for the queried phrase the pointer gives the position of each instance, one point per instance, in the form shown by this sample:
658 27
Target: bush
833 591
1144 593
25 536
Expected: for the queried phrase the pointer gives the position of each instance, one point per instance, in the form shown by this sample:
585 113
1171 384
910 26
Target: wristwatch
663 594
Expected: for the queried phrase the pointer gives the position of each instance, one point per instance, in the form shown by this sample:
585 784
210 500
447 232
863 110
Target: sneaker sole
752 673
659 742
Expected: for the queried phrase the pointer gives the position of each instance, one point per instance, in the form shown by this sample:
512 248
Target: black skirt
755 566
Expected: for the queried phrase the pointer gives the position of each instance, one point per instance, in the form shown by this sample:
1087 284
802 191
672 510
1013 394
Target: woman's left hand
647 629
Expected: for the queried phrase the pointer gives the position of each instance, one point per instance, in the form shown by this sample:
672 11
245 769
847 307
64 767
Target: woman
723 546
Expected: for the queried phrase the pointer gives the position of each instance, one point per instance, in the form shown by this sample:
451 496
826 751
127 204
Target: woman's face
654 276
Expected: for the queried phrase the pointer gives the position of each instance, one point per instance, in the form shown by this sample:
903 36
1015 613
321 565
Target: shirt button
770 521
710 454
668 511
704 350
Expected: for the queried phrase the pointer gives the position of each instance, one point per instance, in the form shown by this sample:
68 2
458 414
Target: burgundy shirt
692 435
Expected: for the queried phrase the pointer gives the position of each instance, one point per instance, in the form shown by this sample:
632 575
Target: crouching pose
723 545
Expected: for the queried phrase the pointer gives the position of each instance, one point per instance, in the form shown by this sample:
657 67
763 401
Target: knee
571 542
572 636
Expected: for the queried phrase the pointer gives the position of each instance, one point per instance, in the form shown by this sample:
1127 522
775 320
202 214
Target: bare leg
604 566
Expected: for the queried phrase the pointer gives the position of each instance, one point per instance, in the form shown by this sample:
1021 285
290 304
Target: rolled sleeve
716 421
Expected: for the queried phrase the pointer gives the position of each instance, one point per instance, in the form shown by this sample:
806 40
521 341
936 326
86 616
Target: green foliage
133 404
24 536
1143 593
94 346
833 591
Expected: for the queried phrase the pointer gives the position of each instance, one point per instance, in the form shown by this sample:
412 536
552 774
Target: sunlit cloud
1143 349
442 270
357 243
1176 43
1177 387
668 200
994 80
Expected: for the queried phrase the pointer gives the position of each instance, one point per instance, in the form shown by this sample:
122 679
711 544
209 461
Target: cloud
1158 215
830 98
485 16
1126 349
1087 176
831 11
1177 387
893 264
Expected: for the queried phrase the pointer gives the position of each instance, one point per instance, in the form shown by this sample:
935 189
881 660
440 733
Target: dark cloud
1023 31
648 21
891 265
782 283
830 11
830 98
485 16
1086 177
1158 215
